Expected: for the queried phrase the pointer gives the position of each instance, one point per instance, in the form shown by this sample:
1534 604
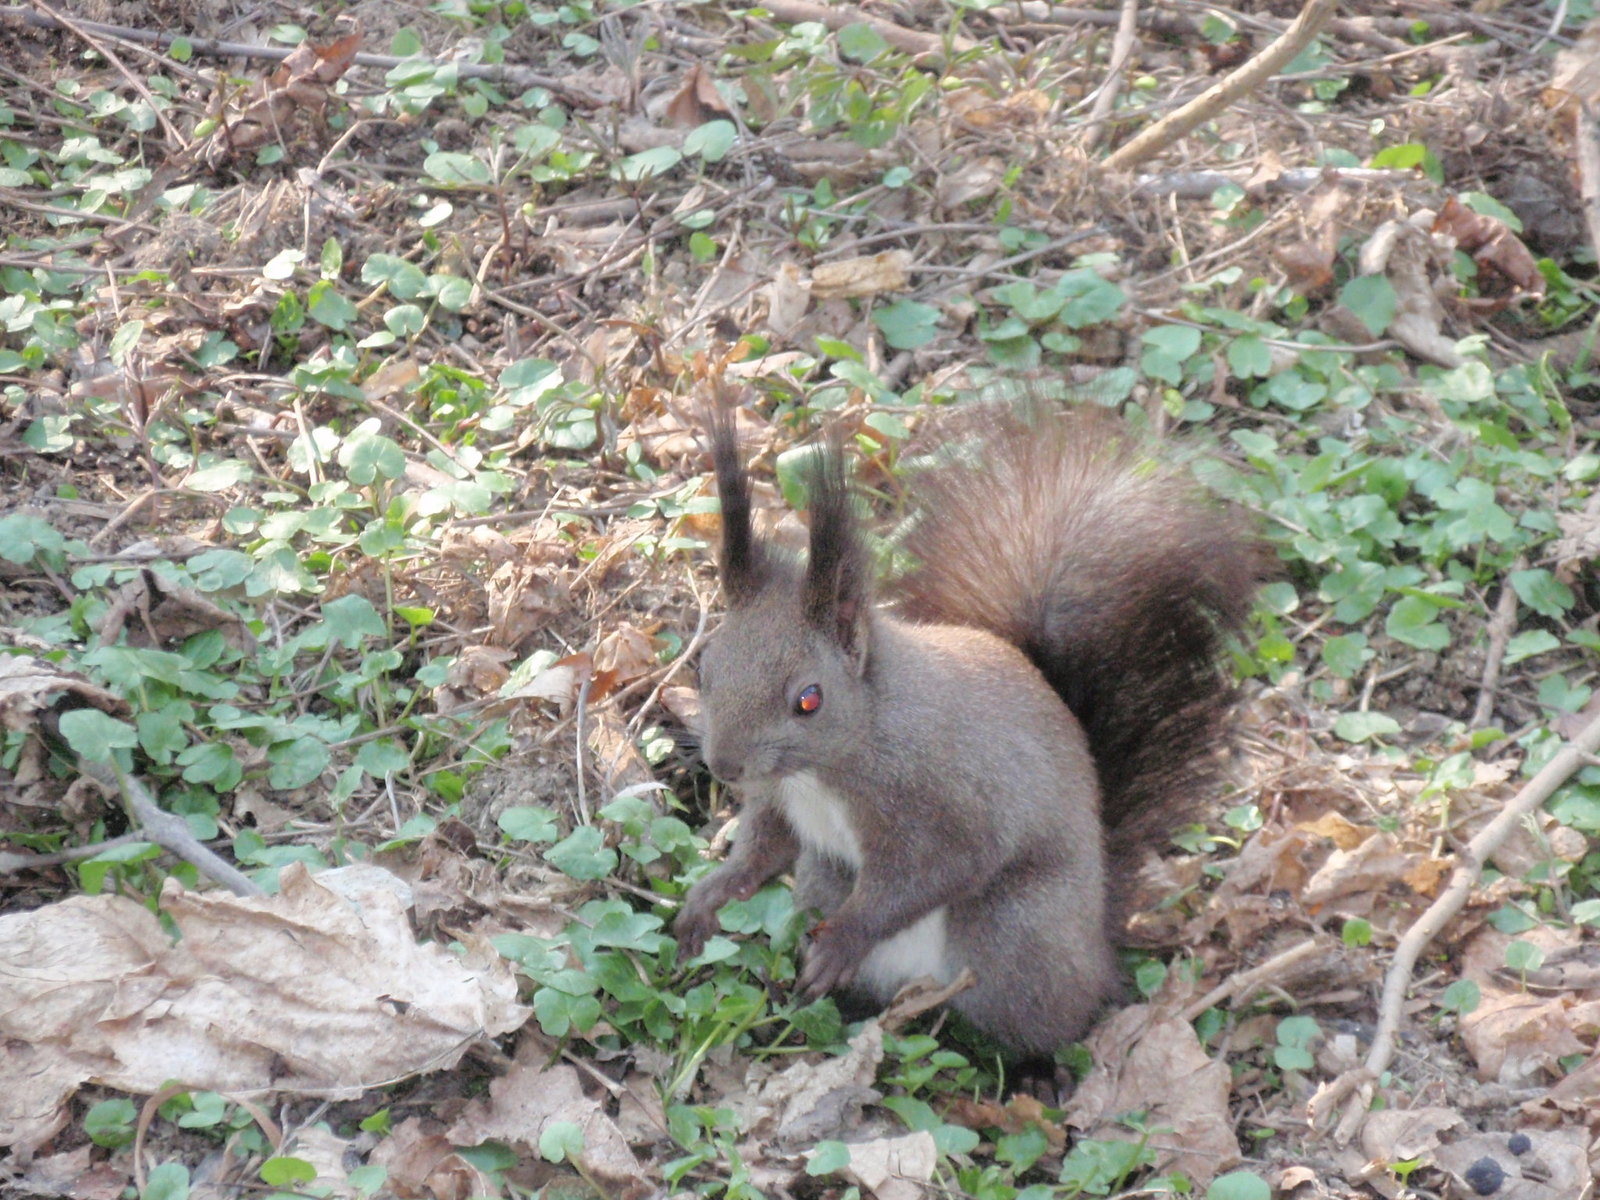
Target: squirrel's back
1121 578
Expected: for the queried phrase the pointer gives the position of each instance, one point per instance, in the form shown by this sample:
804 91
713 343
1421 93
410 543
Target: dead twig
1397 980
1500 627
1231 87
1587 148
174 139
1106 98
167 830
1242 984
499 73
837 16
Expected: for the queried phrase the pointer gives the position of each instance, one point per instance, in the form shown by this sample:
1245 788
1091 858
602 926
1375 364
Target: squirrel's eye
808 701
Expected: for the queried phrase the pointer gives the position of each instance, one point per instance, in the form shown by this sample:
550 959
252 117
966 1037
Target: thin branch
1243 984
1121 51
167 830
1500 627
1586 127
837 16
497 72
1469 867
1230 88
79 28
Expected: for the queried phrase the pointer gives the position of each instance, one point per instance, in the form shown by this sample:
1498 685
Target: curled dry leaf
533 1095
788 297
864 276
697 101
1509 272
1411 260
616 754
893 1168
302 992
1396 1134
1338 829
1517 1038
815 1100
30 685
1366 869
421 1162
1575 74
1158 1066
626 651
559 682
300 85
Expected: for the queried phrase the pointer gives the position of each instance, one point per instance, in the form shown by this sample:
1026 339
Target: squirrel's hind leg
1044 972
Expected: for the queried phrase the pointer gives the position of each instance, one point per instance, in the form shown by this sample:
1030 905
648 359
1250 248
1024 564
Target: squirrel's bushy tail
1122 578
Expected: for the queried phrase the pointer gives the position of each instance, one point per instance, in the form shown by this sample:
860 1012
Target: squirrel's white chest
819 817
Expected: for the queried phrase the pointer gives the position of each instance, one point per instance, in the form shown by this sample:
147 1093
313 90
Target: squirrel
956 779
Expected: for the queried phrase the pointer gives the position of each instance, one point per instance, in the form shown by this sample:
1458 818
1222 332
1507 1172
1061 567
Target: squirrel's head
784 680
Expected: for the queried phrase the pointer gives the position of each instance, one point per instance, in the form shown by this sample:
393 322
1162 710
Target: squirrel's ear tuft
838 583
740 562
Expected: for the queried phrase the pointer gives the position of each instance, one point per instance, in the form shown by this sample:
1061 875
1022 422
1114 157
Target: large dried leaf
304 992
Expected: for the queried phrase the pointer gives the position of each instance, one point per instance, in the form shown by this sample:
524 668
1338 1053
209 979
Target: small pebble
1520 1143
1485 1176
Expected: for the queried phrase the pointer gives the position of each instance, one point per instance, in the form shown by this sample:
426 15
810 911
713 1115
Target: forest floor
353 557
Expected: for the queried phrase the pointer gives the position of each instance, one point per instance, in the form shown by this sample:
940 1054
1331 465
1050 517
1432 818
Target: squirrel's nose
726 767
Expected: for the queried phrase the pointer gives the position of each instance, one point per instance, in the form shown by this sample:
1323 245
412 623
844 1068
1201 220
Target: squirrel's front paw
696 922
832 960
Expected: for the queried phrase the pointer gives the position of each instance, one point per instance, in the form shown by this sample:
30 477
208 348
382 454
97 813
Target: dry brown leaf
1396 1134
1578 1094
1340 830
1494 246
557 683
422 1163
1409 258
1307 263
1580 538
979 109
1370 867
682 702
616 755
697 101
303 991
1424 874
864 276
1519 1039
971 180
71 1174
1575 74
788 297
30 685
808 1101
395 375
1158 1066
531 1096
892 1168
627 651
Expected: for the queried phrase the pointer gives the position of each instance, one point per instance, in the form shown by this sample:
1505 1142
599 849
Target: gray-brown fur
1117 574
940 806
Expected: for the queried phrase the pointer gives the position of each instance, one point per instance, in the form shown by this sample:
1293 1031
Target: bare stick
837 16
1469 866
1500 627
1243 984
1223 93
501 73
175 139
1587 147
167 830
1121 50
